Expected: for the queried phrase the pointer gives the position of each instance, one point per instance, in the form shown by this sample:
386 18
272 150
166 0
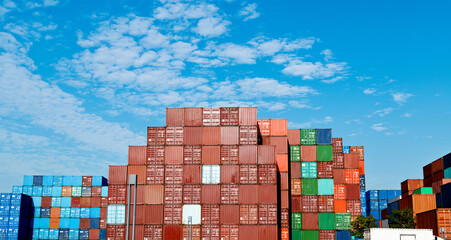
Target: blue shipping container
46 191
85 212
383 194
74 223
342 235
75 212
53 233
20 199
77 181
346 149
28 180
57 191
5 198
27 190
372 205
37 191
85 191
382 204
57 180
447 161
324 136
44 223
4 210
37 212
56 201
362 182
36 201
17 189
65 212
94 223
84 234
37 180
372 195
73 233
45 212
104 191
95 212
66 201
445 194
102 234
64 233
47 181
67 181
376 215
393 193
64 223
98 181
438 200
4 221
43 233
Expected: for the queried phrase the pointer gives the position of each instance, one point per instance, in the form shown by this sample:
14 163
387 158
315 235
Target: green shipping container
310 235
296 221
295 153
326 221
296 235
309 186
342 221
423 190
308 136
447 172
309 170
76 191
324 153
325 186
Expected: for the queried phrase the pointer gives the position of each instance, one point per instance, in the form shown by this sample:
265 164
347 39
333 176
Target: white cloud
362 78
238 53
369 91
328 55
211 27
333 80
383 112
267 87
48 3
407 115
299 125
400 97
249 12
20 140
310 70
379 127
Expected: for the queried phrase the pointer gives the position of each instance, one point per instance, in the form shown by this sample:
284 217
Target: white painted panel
193 210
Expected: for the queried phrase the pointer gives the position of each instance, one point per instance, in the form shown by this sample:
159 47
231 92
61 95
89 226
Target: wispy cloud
249 12
401 97
369 91
383 112
379 127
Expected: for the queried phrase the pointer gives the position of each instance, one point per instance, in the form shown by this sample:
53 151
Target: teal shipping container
309 170
325 186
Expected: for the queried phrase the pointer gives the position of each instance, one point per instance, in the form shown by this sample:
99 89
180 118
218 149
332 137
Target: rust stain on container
192 174
211 136
267 194
211 154
211 117
278 127
267 214
210 214
248 154
155 154
248 214
171 232
155 174
281 144
174 136
229 232
248 174
267 174
192 154
117 174
229 154
229 116
230 136
308 153
137 155
248 116
230 174
192 135
153 194
173 174
266 154
173 155
175 117
248 232
140 171
351 160
193 117
282 162
267 232
229 194
173 194
156 135
248 194
294 136
248 135
229 214
172 214
211 194
192 194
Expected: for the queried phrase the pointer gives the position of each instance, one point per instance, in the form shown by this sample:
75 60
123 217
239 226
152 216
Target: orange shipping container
153 194
339 191
308 153
418 203
55 212
211 136
284 180
264 128
436 220
437 184
358 150
352 176
54 223
281 144
340 206
278 127
137 155
211 154
411 185
140 171
282 162
296 186
362 167
285 233
294 136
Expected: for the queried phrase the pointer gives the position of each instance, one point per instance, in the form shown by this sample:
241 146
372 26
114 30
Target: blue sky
81 80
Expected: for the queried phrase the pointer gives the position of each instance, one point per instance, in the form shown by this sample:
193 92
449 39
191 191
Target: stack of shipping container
377 201
66 207
15 216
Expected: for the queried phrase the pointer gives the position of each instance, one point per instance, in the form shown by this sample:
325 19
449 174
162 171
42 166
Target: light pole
131 181
190 228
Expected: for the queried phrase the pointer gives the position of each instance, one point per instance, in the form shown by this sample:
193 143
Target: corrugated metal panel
427 170
117 174
230 174
325 203
267 194
338 160
211 136
248 174
174 135
284 217
284 199
337 145
248 232
210 232
229 116
140 171
193 117
267 232
309 203
248 194
294 136
267 214
248 214
155 154
87 181
339 176
248 116
358 150
156 135
248 135
229 194
175 117
153 232
248 154
352 176
211 194
171 232
284 181
229 154
139 195
278 127
192 194
296 186
192 136
264 127
172 215
266 154
211 116
326 234
229 214
310 221
281 144
173 194
137 155
230 135
210 214
295 153
229 232
285 233
153 194
282 162
117 194
339 191
211 154
173 174
173 155
351 160
325 169
153 214
308 153
295 169
418 203
267 174
353 207
192 155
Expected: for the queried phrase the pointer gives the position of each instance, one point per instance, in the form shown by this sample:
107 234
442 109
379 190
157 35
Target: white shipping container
398 234
115 214
193 211
394 199
211 174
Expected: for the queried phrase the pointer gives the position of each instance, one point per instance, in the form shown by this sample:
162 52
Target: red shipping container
267 232
229 154
173 194
66 191
153 214
210 232
192 155
192 194
296 204
85 202
84 223
428 181
248 135
153 232
230 174
325 169
295 169
339 176
284 181
248 174
229 232
310 221
96 191
211 154
117 194
172 214
136 155
192 174
211 194
171 232
339 191
351 160
248 214
193 117
229 194
175 117
267 214
264 128
325 203
337 145
308 153
352 191
267 194
358 150
437 176
173 174
211 116
174 136
338 160
155 174
87 181
353 207
326 234
46 201
117 175
102 223
191 232
281 144
153 194
248 116
95 202
427 170
75 202
266 154
192 136
352 176
115 232
267 174
284 213
156 135
211 136
173 155
278 127
284 199
139 194
229 116
230 136
229 214
104 201
248 194
248 154
94 233
282 162
210 214
294 136
362 167
296 186
140 171
139 217
309 204
155 154
103 212
285 233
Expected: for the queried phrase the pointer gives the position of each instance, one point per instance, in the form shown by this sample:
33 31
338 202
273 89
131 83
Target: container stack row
377 201
15 216
67 207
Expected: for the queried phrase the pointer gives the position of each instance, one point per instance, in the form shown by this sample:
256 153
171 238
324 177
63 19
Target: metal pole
127 219
131 181
134 210
190 227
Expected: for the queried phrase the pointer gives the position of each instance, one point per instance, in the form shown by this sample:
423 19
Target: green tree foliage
360 224
402 218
